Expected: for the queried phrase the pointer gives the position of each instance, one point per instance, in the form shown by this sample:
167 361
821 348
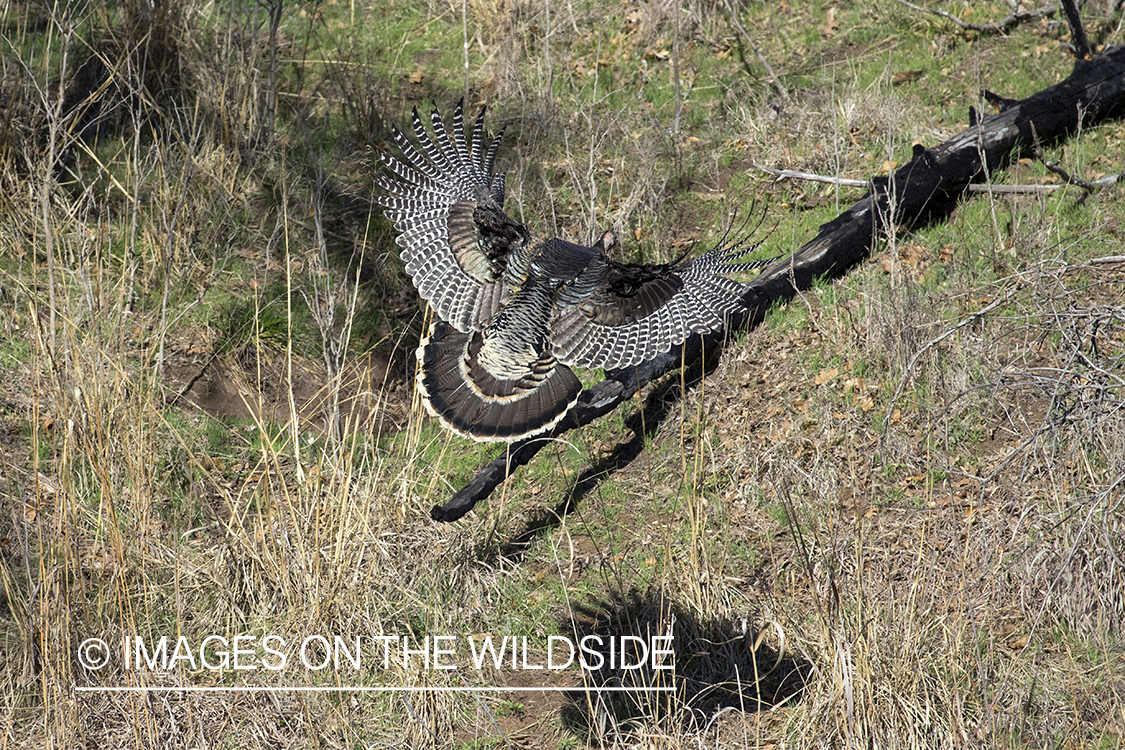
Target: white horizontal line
365 689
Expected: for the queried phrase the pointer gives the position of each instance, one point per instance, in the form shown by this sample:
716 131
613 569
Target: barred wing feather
447 207
641 311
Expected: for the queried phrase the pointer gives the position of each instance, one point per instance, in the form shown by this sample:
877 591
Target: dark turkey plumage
513 310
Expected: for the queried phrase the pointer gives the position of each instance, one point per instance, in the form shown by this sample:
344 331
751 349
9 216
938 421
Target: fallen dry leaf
826 375
830 23
906 75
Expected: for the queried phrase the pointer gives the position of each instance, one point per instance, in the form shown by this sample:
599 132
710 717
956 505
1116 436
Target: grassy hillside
889 517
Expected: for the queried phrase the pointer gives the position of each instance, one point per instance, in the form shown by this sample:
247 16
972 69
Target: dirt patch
372 390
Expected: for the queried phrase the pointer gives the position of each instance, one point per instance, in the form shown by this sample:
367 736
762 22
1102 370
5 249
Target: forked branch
1002 26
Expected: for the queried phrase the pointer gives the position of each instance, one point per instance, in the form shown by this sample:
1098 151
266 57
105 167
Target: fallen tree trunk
923 191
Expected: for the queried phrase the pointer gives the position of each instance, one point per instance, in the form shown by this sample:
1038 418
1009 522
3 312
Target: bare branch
1089 186
1013 189
1077 33
1054 167
783 174
932 343
761 58
1000 27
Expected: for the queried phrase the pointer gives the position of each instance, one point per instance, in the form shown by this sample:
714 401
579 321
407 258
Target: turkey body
513 311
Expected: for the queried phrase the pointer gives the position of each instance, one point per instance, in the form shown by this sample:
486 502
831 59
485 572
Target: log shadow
713 667
643 424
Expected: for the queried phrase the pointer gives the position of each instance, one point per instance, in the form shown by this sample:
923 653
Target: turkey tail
468 400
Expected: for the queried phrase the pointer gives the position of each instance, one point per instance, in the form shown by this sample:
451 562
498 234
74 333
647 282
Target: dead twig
1000 27
1053 166
1013 189
761 58
931 344
782 174
1089 186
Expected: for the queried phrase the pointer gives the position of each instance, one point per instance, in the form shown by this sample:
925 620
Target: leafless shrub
233 74
1062 388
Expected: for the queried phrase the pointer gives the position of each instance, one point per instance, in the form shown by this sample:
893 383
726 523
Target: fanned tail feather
472 403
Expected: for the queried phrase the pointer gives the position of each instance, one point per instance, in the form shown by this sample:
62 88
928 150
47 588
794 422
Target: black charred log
921 192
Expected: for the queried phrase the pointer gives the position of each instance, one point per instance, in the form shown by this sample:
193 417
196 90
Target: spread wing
637 311
446 204
516 310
